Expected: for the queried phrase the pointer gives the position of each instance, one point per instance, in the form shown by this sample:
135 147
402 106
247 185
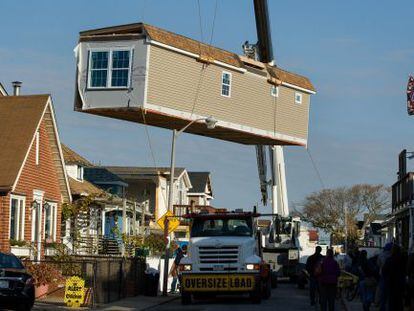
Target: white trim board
238 127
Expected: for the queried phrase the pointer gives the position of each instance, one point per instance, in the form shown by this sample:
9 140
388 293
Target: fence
106 279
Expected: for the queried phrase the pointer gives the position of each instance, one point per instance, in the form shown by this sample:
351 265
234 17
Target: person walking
311 263
394 272
368 280
181 251
328 280
382 292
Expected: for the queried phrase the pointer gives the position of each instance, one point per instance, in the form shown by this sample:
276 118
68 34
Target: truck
224 257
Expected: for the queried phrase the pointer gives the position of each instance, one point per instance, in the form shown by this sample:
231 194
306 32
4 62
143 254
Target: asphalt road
286 297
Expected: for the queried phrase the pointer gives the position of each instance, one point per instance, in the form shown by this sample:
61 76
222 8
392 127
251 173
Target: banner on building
410 96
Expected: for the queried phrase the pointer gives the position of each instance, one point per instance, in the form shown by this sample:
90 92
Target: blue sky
357 53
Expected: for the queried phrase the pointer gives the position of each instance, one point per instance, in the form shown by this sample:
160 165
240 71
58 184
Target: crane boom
277 164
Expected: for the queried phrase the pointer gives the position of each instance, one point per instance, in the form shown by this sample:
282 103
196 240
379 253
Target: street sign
173 222
74 292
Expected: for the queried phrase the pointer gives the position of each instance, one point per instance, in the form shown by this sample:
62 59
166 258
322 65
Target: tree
337 210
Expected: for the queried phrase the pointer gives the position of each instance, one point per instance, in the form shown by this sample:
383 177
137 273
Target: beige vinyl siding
173 81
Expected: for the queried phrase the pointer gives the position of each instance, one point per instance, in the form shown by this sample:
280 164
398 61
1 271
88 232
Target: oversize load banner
410 96
217 282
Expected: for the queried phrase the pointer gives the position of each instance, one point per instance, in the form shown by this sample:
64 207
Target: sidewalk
137 303
127 304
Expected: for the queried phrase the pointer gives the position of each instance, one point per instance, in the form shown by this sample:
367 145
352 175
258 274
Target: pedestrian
382 293
410 281
311 263
394 272
367 280
180 253
328 280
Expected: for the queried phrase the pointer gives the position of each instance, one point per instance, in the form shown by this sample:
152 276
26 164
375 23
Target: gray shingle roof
199 180
134 171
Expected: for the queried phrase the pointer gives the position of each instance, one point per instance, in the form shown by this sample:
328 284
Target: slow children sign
74 292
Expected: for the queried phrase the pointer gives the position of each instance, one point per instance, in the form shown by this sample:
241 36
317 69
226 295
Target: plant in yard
17 243
43 273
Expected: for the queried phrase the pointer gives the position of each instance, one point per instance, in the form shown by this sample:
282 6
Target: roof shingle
19 118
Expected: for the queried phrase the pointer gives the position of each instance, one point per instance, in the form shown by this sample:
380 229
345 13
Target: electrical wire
316 169
214 22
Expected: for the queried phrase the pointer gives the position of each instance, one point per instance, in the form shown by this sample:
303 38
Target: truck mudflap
219 282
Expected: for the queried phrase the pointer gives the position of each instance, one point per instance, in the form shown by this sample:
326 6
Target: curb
160 303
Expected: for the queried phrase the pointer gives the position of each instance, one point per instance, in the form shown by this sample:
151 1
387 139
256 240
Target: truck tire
273 278
256 297
267 290
185 298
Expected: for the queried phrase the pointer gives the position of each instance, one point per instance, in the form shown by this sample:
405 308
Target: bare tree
337 210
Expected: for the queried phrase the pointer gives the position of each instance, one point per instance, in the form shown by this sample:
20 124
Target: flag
410 96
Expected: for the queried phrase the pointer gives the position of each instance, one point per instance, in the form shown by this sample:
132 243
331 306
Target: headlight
251 266
186 267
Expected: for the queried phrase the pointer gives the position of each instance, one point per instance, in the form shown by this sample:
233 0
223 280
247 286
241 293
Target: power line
316 168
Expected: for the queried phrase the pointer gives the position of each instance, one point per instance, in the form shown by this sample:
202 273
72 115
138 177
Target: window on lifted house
109 69
226 84
274 91
298 98
17 213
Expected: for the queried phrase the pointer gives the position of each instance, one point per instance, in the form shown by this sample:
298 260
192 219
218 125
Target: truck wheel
267 290
256 297
273 278
185 298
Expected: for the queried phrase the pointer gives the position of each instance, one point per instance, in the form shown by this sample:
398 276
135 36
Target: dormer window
79 172
109 68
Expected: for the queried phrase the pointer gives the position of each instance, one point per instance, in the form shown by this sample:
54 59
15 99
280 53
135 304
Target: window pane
120 77
120 59
48 219
13 219
99 60
98 78
226 78
225 90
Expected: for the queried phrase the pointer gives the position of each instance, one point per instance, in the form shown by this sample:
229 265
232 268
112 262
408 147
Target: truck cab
224 257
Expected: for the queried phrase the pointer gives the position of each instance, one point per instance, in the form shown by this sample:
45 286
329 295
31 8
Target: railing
403 192
181 210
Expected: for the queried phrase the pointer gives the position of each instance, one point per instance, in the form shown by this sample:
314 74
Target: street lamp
211 124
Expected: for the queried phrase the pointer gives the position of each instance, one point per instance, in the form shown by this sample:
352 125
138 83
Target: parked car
17 290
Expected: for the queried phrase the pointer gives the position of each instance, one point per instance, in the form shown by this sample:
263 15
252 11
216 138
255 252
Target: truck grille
218 255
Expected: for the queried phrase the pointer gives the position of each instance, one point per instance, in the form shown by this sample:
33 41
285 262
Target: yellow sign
217 282
74 292
173 222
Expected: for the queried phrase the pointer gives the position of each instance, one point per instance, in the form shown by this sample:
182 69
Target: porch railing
403 192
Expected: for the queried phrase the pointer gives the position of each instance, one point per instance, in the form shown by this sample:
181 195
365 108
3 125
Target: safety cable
214 22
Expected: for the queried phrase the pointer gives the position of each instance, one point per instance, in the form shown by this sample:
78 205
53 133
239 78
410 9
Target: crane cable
200 80
315 168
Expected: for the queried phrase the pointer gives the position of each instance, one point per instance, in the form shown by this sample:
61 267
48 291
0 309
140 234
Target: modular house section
144 74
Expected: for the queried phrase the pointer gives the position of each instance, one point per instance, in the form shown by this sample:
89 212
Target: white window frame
53 225
298 101
79 172
21 215
109 68
222 83
37 147
274 91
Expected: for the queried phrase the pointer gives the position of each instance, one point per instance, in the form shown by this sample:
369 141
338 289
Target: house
33 181
201 192
401 219
109 215
150 186
145 74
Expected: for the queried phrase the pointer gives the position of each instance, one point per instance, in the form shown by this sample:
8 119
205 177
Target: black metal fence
107 279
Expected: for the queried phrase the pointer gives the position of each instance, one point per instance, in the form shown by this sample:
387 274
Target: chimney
16 87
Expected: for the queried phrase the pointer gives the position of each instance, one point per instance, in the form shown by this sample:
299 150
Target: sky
358 54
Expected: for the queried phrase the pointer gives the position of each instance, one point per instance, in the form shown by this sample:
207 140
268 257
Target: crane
281 239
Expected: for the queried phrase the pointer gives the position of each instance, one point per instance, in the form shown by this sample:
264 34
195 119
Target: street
286 297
